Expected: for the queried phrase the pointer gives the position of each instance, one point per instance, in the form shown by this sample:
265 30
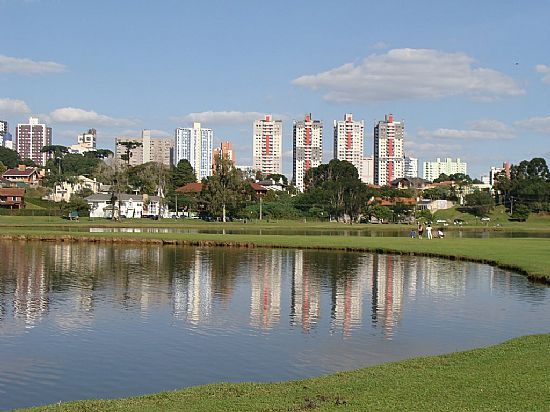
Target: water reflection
199 315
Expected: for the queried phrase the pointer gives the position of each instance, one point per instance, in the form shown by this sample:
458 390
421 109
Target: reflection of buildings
305 293
348 292
265 279
387 290
193 291
30 291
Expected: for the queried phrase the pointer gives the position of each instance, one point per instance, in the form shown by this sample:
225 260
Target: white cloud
27 66
535 124
227 117
13 106
483 129
545 70
408 74
75 115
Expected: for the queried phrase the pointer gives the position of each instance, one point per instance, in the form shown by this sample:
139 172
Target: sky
470 79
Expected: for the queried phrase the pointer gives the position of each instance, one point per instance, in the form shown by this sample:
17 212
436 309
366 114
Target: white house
131 206
65 190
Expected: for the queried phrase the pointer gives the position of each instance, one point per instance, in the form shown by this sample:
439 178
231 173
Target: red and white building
30 138
307 148
267 145
349 141
388 151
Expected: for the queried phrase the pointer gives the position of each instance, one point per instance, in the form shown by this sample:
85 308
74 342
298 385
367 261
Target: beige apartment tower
267 145
349 141
307 148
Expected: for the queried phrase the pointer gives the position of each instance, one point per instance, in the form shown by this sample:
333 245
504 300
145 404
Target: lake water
101 321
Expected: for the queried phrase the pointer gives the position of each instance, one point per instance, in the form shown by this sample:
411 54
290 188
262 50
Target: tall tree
222 190
57 152
9 157
129 146
183 174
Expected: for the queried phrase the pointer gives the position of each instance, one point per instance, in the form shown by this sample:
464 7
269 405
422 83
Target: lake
102 321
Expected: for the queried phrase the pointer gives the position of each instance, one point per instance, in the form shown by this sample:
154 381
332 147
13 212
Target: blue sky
471 79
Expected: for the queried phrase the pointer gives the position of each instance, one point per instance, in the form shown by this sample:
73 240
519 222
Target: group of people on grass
429 234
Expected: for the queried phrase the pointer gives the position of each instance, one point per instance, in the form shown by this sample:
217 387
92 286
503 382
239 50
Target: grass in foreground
512 376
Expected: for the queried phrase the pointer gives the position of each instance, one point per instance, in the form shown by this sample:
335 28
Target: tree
3 168
57 152
479 203
10 158
99 153
521 212
221 191
183 174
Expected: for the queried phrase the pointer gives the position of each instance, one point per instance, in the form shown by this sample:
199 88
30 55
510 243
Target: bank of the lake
529 256
509 376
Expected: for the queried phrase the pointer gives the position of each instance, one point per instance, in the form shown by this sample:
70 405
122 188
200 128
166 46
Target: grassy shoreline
509 376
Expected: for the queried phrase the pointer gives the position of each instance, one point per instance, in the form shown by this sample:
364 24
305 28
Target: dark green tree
183 174
10 158
479 202
128 147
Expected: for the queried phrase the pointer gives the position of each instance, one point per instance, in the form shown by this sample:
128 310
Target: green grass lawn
512 376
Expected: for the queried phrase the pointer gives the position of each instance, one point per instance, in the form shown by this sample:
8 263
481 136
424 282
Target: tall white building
307 148
349 141
3 131
367 175
410 167
149 149
388 151
30 138
267 145
432 170
195 145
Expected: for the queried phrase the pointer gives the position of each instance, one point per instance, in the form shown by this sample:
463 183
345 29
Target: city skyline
471 84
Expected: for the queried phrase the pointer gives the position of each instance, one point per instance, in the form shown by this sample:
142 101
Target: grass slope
512 376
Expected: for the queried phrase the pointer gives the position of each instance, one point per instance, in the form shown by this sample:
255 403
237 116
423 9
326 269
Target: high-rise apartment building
307 148
494 171
388 150
367 173
267 145
30 138
410 167
349 141
195 145
86 142
225 151
146 149
432 170
3 131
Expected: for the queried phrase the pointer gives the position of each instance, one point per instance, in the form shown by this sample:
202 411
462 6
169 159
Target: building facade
195 145
30 138
367 173
225 151
146 149
432 170
267 145
3 131
307 148
410 167
349 141
494 171
86 142
388 151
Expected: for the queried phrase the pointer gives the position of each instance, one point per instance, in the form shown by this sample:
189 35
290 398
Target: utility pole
177 205
261 197
511 204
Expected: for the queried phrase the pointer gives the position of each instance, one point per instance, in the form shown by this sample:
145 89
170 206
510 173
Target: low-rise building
12 198
126 206
22 174
63 192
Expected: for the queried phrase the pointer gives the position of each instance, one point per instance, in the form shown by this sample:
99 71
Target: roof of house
257 187
195 187
16 172
105 197
12 191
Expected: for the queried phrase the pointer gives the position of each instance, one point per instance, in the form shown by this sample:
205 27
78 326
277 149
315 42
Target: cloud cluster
410 74
13 106
27 66
484 129
535 124
545 70
75 115
224 117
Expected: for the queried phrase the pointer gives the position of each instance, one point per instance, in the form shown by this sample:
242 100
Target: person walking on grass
420 230
429 231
